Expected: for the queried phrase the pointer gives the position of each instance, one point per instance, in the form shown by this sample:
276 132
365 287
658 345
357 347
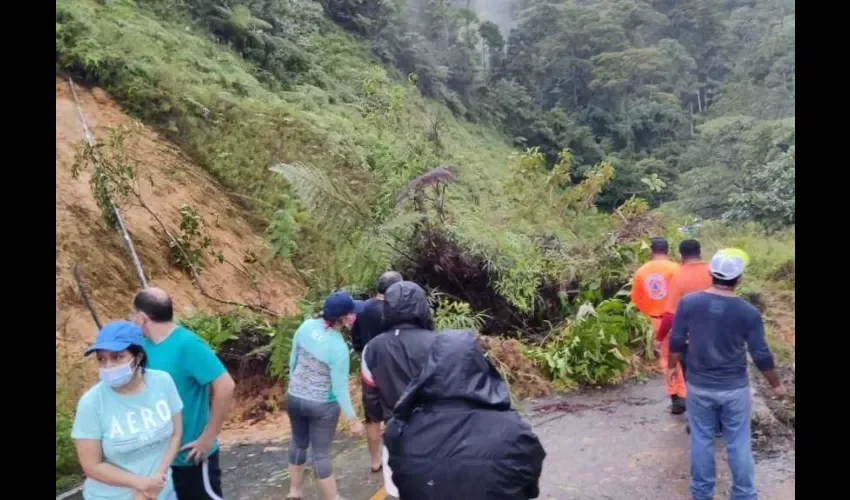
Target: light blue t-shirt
193 366
133 430
318 365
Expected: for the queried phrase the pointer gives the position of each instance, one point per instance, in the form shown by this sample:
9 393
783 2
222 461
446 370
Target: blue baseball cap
116 336
340 303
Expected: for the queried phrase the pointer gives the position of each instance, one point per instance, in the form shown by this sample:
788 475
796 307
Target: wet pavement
259 471
619 443
623 443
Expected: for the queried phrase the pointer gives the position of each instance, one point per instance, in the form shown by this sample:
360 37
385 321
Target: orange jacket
692 277
650 285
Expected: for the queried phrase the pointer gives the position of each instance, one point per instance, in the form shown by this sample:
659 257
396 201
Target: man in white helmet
720 328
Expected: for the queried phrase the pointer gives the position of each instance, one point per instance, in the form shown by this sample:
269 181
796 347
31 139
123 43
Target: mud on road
619 443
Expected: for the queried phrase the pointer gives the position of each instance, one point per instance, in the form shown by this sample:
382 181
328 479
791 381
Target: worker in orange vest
693 276
649 295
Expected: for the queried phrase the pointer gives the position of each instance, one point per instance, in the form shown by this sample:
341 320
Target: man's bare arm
222 398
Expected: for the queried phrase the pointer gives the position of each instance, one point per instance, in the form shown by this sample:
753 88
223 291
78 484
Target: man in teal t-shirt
203 384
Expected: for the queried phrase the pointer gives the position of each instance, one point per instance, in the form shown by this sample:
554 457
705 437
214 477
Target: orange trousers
677 385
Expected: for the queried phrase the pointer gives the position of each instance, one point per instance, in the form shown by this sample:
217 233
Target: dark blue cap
116 336
340 303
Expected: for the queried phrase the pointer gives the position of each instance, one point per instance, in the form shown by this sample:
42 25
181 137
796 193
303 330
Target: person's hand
355 426
780 391
150 486
200 449
671 375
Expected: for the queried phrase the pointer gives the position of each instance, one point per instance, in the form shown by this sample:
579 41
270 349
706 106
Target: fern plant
215 330
455 315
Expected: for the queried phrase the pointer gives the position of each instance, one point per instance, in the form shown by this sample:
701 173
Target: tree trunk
692 118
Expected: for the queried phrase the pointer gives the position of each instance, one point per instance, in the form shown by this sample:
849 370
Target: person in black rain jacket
370 322
393 359
454 436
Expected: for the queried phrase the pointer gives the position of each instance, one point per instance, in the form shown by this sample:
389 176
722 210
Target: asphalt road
620 443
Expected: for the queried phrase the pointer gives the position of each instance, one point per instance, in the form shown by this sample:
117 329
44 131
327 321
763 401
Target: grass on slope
369 132
212 102
344 115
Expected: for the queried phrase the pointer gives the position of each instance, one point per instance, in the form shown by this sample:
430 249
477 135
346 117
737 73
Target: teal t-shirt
319 364
133 430
193 366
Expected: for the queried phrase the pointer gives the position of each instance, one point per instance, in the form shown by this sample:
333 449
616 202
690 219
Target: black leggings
313 426
198 482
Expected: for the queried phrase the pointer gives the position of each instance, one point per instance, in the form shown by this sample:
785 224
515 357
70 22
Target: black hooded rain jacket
454 436
394 358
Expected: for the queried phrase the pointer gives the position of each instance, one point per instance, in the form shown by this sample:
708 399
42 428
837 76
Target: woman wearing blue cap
318 390
127 427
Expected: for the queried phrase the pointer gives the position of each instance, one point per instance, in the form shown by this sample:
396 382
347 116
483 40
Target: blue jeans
733 409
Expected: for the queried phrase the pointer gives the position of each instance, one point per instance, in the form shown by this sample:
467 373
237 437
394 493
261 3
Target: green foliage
218 329
191 243
772 255
281 344
743 169
624 78
68 472
595 346
282 233
769 192
273 336
113 173
225 114
455 315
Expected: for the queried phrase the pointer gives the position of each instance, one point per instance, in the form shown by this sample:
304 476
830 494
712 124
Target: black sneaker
678 405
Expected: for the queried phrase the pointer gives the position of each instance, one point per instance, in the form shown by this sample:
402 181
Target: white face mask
117 375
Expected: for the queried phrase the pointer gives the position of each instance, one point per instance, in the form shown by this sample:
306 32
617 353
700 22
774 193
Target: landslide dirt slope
104 263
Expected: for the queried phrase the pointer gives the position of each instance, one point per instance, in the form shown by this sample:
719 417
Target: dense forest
691 93
686 93
513 156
